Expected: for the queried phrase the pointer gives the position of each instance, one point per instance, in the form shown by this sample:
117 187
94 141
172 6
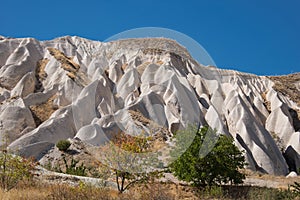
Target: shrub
125 152
73 169
13 169
220 165
63 145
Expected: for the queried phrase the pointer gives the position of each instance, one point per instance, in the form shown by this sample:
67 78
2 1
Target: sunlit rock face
72 87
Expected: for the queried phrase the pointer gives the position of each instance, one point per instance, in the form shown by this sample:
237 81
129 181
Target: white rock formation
93 90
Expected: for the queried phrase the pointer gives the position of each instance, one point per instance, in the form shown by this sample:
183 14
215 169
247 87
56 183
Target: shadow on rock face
296 121
292 158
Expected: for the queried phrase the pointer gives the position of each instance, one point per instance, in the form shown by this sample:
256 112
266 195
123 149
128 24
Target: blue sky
257 36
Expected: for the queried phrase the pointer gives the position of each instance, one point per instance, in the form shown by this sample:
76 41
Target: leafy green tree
220 164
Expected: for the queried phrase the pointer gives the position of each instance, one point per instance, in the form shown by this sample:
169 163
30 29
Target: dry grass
153 46
43 111
28 193
82 192
288 85
70 66
56 192
153 191
153 51
281 182
40 69
266 102
159 62
124 66
40 74
66 62
71 75
157 131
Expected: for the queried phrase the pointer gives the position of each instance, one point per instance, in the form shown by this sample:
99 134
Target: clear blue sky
257 36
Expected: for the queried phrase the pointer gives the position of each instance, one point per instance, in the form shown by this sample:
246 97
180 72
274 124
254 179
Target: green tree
220 164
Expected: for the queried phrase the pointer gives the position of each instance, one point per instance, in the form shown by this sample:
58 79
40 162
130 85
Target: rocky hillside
72 87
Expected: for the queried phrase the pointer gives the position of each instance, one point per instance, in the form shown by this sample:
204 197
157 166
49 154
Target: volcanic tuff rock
72 87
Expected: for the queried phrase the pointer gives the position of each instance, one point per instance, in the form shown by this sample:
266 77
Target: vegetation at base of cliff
124 157
166 191
14 169
209 160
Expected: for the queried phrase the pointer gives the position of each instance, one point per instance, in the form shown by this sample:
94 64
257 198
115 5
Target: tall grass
153 191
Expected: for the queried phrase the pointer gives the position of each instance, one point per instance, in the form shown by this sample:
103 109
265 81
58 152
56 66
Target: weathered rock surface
93 90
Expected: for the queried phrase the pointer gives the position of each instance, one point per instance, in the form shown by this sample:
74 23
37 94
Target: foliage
73 169
125 156
220 165
63 145
13 169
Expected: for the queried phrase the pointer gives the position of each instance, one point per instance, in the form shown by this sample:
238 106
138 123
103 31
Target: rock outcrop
72 87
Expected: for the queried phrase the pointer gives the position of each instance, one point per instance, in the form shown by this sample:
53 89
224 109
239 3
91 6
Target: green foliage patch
63 145
209 160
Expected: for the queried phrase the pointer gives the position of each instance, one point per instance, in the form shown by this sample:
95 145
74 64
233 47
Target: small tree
124 156
13 169
220 165
63 145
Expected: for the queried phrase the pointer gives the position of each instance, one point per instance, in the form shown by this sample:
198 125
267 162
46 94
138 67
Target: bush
73 169
120 155
63 145
220 165
13 169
